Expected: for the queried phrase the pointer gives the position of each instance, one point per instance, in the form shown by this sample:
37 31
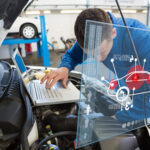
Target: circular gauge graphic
122 94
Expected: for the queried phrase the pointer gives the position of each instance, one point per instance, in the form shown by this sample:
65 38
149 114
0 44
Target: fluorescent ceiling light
108 10
70 11
129 11
32 12
47 11
144 11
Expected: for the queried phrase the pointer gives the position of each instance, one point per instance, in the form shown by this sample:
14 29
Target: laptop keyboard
41 93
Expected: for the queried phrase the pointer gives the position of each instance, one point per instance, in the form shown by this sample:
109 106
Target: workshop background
44 31
60 16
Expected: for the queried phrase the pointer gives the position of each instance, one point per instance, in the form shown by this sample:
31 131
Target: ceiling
82 4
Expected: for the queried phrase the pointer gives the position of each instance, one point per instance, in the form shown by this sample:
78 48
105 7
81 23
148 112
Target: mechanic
74 56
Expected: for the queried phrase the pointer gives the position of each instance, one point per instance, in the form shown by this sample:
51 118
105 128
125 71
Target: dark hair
95 14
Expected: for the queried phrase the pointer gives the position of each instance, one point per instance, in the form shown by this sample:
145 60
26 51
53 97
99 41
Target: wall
90 2
122 2
139 16
62 25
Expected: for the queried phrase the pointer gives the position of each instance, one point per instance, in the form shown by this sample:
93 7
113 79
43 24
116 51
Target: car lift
42 43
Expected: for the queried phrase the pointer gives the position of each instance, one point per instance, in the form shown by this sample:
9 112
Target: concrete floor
55 59
32 59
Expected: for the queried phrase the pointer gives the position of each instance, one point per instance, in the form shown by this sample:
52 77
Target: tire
28 31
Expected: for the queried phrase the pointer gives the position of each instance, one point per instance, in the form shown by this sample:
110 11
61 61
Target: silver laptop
38 93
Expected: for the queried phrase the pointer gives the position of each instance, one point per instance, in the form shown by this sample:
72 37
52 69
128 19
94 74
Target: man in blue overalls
74 56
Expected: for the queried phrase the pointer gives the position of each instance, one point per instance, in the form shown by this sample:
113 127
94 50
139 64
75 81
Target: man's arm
72 58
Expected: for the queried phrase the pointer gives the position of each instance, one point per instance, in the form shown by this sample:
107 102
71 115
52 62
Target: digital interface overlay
116 85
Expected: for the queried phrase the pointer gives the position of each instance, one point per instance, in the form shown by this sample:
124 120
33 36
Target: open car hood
9 11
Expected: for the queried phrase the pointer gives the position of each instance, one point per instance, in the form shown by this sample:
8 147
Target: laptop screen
21 69
20 63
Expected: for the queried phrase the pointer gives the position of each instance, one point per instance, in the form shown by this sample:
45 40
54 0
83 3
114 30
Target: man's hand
114 117
55 75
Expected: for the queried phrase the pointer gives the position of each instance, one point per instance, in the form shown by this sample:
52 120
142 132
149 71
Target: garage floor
32 59
55 59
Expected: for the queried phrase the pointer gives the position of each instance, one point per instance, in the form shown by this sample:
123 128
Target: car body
20 21
134 80
27 27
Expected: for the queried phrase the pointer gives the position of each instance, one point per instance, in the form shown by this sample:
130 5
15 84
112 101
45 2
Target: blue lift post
42 43
45 51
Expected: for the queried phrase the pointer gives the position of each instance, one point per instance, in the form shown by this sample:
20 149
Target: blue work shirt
122 46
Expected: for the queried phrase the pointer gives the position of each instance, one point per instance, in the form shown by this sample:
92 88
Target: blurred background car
26 27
